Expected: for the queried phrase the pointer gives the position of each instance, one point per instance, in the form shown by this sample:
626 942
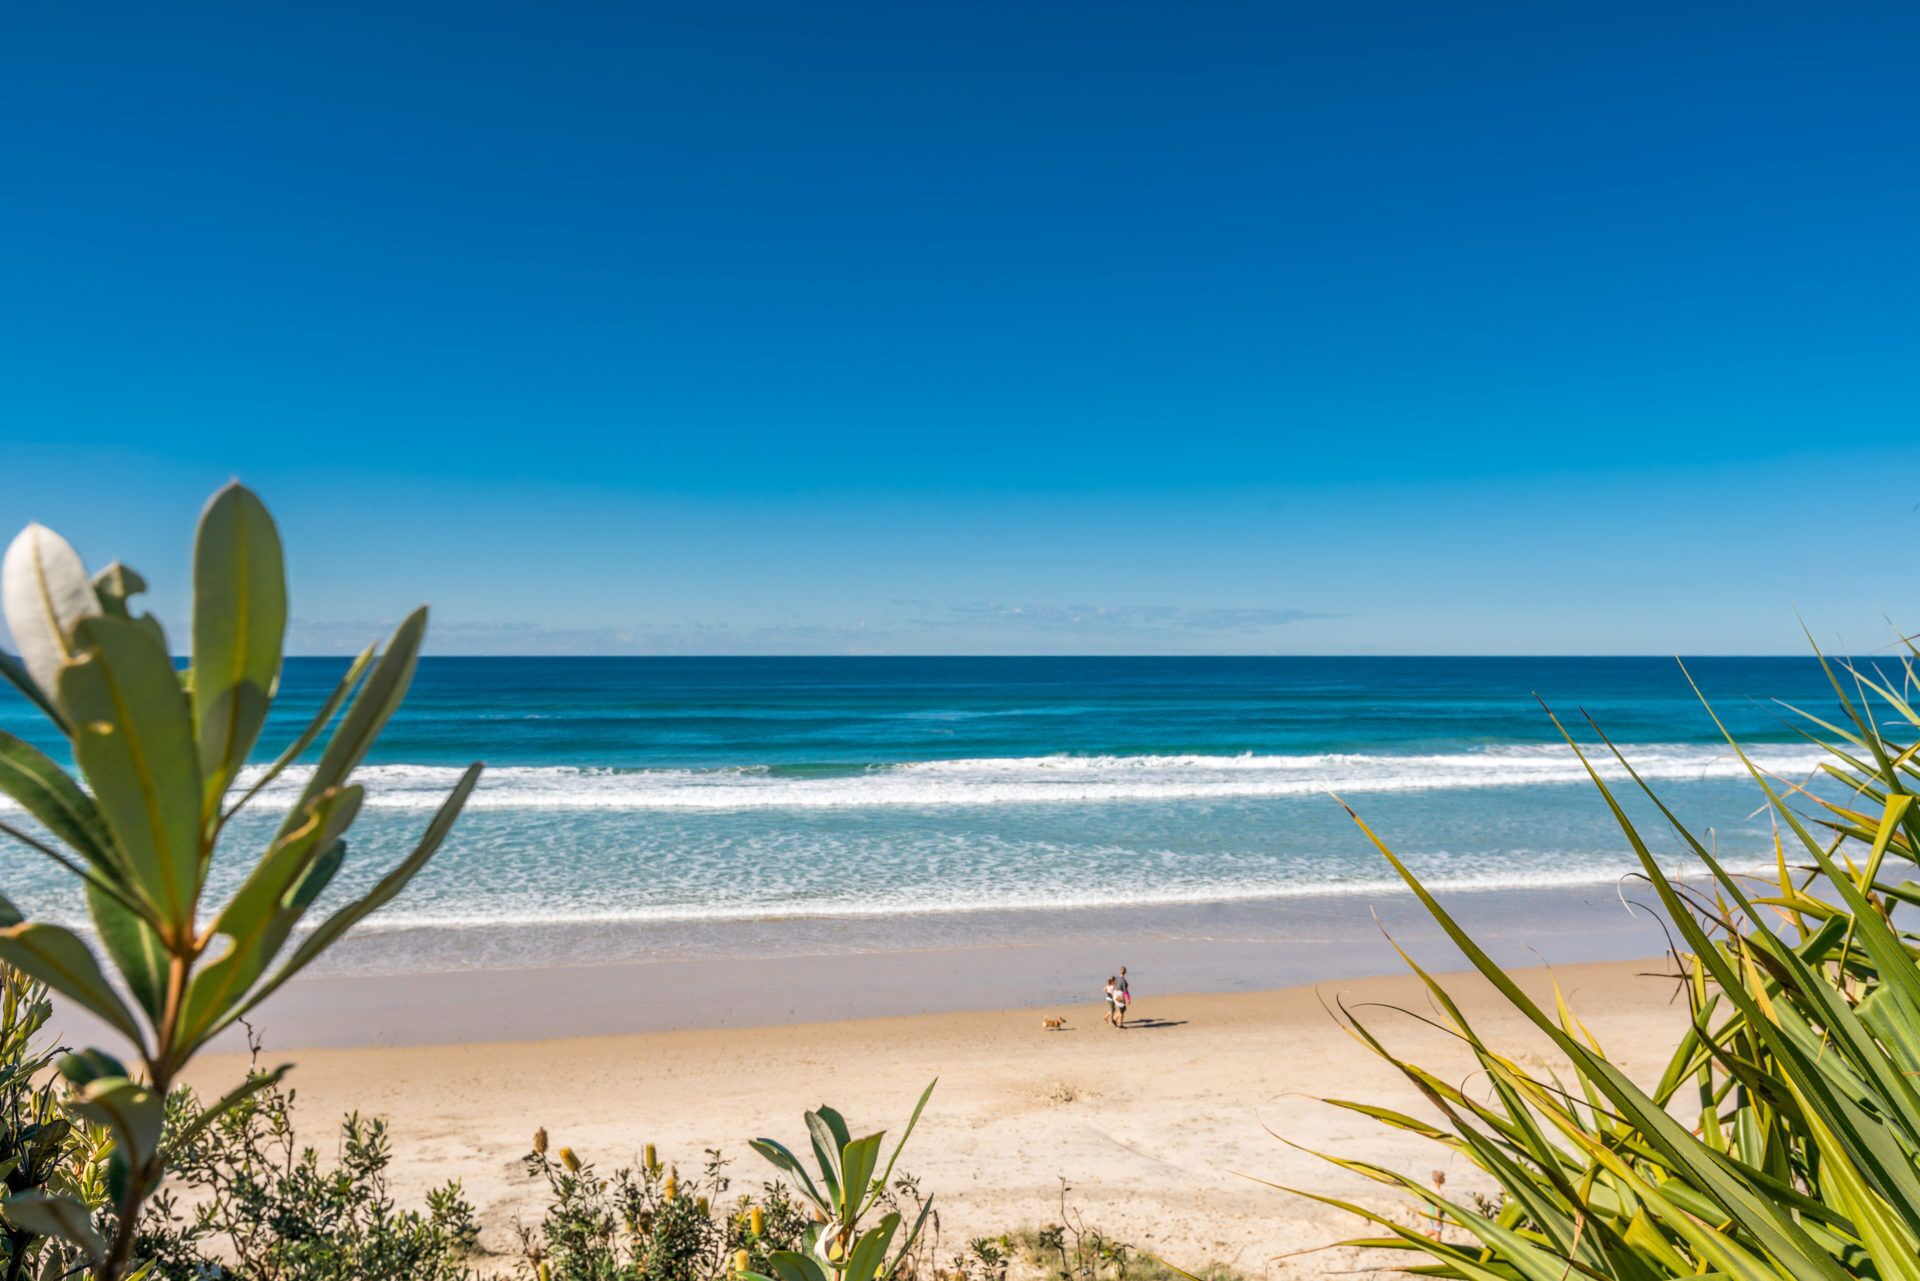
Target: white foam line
1199 897
1034 779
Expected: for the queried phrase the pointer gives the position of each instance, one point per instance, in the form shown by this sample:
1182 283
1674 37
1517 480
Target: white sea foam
1041 779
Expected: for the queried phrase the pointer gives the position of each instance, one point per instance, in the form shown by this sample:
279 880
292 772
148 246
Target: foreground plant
160 753
1802 1060
836 1247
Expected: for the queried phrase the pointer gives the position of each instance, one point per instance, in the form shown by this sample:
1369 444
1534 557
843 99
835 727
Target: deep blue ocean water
674 795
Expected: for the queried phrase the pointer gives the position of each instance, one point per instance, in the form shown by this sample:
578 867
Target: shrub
43 1149
835 1247
1782 1139
650 1224
159 753
264 1209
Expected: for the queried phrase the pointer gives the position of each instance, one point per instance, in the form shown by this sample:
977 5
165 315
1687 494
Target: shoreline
1148 1126
821 976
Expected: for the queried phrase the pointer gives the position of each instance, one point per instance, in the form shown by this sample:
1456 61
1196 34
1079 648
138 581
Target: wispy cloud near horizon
1146 618
906 627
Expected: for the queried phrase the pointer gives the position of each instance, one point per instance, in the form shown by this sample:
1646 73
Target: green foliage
650 1224
850 1188
48 1156
1783 1138
159 752
264 1209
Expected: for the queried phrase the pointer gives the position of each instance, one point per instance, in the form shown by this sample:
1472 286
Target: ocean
640 808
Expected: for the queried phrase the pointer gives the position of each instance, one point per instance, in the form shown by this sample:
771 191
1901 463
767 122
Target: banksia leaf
60 1217
239 623
46 593
133 738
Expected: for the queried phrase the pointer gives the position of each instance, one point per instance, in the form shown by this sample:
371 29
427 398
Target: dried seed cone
540 1141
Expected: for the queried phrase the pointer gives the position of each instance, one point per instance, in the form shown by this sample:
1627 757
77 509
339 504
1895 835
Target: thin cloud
1130 618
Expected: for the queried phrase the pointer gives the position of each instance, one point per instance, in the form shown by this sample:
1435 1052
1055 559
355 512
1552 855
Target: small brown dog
1053 1025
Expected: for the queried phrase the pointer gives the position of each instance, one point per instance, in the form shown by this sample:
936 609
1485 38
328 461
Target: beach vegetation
651 1222
850 1190
246 1202
162 757
46 1152
1782 1140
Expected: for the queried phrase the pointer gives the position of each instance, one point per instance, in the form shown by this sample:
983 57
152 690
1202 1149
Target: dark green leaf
239 623
134 741
59 959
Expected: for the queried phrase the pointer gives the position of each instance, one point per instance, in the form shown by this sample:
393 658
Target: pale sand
1150 1126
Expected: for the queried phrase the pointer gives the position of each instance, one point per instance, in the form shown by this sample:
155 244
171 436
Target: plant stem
17 1253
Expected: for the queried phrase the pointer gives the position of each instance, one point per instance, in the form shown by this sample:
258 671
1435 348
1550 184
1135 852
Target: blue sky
983 328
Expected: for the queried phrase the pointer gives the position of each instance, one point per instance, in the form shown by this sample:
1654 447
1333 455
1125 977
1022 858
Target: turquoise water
635 807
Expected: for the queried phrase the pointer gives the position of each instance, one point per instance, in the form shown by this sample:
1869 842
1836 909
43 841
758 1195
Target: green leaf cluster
1783 1138
849 1188
160 755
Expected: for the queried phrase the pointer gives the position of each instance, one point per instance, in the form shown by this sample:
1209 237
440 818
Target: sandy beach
1155 1129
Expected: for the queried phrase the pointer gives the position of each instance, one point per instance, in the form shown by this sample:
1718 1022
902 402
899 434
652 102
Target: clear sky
981 327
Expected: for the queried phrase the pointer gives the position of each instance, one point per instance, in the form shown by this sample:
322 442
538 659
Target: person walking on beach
1122 998
1113 1001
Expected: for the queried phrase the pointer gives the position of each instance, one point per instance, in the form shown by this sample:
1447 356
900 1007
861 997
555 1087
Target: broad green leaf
857 1162
83 1067
59 804
826 1150
59 959
239 624
55 1215
871 1249
134 741
130 1110
46 593
115 586
135 950
776 1153
789 1266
